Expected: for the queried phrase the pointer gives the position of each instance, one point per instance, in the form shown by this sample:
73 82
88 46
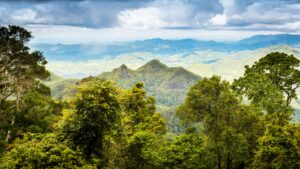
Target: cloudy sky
86 21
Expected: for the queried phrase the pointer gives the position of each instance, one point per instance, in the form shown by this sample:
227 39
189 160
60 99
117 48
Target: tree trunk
228 161
288 100
219 161
13 120
9 134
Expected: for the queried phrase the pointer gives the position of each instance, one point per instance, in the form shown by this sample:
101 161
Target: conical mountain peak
153 66
155 62
123 66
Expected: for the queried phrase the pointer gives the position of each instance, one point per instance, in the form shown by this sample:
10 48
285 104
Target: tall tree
212 103
95 116
143 128
19 67
270 85
281 69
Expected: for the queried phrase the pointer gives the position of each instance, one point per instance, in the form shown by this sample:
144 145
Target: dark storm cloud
176 14
88 13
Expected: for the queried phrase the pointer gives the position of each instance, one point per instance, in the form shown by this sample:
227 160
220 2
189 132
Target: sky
102 21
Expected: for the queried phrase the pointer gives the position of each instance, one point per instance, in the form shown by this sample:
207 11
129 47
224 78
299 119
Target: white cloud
157 15
222 19
72 34
154 14
227 5
219 20
24 15
290 26
149 17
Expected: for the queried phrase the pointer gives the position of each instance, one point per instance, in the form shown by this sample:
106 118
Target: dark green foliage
208 96
224 121
19 66
37 113
185 151
140 151
96 114
19 69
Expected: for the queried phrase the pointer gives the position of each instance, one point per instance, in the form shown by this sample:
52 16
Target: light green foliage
139 111
262 93
278 148
137 105
143 128
280 69
42 151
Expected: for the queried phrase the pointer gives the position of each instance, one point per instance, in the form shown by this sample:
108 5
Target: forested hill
167 84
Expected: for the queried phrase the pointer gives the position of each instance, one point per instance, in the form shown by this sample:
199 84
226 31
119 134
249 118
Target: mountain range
198 58
91 51
167 84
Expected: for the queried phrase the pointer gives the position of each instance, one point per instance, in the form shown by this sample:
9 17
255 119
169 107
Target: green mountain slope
167 84
61 88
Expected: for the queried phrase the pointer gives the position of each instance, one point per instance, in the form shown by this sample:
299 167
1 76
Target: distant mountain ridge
288 39
160 46
167 84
